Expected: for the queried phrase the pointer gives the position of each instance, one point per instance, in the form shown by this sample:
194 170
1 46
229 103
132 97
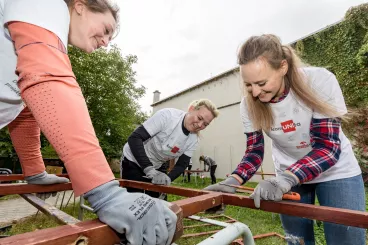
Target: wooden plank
58 215
322 213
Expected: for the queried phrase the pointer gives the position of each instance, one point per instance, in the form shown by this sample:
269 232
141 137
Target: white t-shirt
52 15
167 138
290 133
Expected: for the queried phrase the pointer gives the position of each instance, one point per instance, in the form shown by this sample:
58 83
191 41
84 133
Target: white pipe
209 221
229 234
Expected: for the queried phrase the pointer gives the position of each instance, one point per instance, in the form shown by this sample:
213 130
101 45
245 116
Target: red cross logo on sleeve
174 149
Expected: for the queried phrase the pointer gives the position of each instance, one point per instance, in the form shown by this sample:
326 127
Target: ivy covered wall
343 49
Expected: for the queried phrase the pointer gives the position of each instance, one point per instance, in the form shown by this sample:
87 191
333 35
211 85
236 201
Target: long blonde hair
269 47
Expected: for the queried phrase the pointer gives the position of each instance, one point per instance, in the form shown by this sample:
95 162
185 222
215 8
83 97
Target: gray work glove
143 219
45 179
274 188
223 188
158 178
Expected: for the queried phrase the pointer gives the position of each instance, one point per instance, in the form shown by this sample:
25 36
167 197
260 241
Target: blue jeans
342 193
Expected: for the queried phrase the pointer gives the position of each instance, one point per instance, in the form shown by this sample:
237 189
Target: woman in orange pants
39 91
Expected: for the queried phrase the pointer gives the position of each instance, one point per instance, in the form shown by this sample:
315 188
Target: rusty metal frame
98 233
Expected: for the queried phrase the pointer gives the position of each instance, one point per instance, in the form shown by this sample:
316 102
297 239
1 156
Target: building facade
224 139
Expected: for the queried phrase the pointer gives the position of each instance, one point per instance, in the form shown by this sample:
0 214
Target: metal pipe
229 234
87 208
209 221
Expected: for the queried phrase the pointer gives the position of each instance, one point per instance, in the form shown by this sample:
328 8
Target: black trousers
212 173
131 171
189 168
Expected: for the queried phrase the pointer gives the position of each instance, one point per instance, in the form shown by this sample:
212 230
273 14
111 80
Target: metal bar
333 215
186 192
13 177
50 210
198 204
328 214
93 231
209 221
201 225
200 234
9 189
260 236
99 233
229 234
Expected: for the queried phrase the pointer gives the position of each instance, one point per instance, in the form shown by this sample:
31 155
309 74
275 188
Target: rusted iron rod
91 232
333 215
58 215
185 192
99 233
198 204
13 177
322 213
9 189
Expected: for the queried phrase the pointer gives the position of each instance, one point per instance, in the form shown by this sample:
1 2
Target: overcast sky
180 43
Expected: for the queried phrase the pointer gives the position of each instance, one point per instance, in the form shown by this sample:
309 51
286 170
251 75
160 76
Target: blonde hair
197 104
269 47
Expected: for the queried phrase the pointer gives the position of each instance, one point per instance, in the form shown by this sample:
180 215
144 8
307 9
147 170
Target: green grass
8 197
41 221
259 222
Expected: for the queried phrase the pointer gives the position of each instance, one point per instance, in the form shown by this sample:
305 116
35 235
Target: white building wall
223 139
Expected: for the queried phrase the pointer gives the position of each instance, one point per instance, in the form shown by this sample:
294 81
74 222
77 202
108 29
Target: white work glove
158 178
143 219
222 186
45 179
274 188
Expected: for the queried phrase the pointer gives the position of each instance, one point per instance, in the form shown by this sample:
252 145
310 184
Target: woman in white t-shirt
300 109
169 134
39 91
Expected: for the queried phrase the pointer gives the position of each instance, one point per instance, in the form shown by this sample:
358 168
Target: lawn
259 222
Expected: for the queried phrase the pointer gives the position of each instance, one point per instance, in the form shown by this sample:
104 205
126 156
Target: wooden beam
58 215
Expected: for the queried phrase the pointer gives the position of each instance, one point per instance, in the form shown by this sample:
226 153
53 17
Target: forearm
325 152
136 146
179 167
253 156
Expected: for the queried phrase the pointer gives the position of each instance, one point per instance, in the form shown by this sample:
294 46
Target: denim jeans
342 193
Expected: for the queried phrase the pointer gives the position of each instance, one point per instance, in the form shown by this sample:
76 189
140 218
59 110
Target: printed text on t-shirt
287 126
